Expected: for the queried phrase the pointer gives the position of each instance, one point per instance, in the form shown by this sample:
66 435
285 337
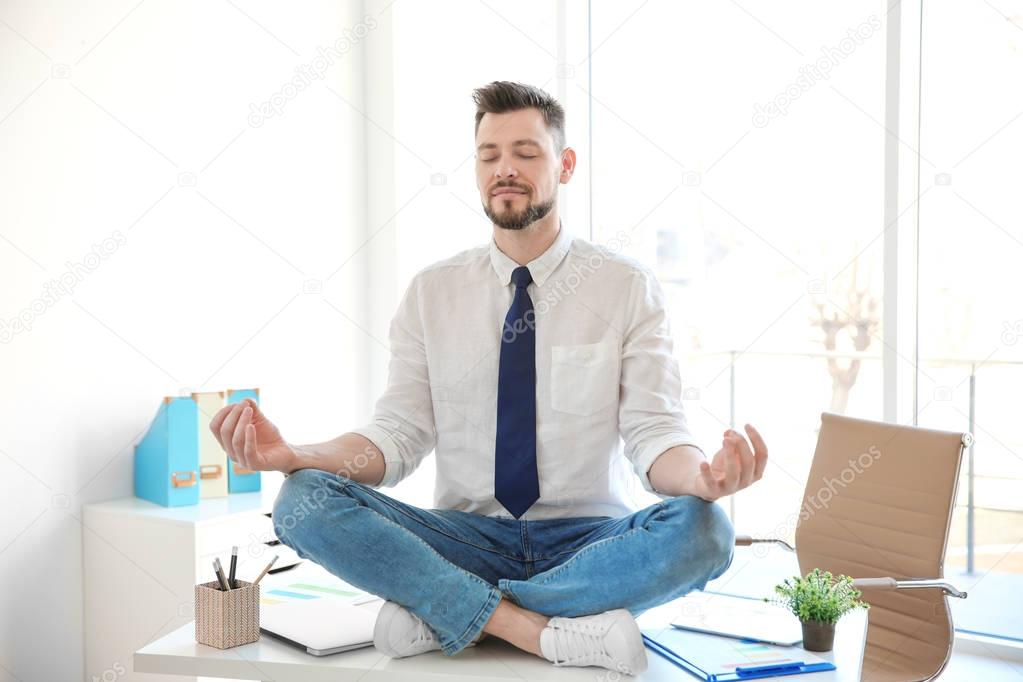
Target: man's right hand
252 440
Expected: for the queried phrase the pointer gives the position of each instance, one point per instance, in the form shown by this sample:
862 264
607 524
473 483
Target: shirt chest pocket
584 378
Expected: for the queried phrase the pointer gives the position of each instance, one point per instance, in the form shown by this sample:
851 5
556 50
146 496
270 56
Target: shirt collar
540 267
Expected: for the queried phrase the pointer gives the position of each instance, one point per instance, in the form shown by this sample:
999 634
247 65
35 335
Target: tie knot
521 277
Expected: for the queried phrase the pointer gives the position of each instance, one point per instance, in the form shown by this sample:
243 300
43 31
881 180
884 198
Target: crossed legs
463 574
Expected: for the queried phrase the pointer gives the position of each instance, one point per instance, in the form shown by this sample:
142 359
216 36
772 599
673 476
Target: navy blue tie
516 485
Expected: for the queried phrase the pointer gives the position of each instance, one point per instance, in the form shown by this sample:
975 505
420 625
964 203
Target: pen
234 565
260 577
769 667
219 570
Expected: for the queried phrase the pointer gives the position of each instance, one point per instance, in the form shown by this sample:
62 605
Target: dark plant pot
818 636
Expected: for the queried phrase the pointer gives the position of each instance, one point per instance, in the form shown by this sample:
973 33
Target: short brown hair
499 97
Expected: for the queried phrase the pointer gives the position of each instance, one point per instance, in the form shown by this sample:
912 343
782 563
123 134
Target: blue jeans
451 568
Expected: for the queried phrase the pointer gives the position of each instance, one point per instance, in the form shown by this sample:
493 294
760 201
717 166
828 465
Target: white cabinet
142 562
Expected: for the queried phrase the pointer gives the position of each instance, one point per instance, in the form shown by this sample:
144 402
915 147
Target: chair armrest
747 540
885 584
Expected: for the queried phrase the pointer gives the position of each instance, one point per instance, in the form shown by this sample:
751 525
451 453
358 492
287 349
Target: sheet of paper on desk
730 654
738 617
310 582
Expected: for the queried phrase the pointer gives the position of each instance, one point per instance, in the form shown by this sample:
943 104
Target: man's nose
506 171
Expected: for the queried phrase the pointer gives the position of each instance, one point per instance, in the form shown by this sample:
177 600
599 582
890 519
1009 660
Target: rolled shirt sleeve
650 415
403 426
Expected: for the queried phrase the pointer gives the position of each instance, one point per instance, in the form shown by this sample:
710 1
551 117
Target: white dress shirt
605 373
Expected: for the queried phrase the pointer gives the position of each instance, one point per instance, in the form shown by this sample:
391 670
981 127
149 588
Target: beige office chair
877 507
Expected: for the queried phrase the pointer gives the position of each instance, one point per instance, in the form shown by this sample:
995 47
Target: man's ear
567 165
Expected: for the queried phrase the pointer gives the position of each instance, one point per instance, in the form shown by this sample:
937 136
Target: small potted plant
818 601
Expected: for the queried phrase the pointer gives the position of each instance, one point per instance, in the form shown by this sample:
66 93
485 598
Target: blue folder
721 659
167 457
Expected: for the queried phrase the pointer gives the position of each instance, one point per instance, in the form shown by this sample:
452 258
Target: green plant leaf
819 596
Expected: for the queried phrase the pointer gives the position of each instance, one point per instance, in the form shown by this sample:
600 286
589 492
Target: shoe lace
578 643
423 632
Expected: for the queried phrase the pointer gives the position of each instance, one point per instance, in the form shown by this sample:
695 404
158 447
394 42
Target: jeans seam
524 534
662 508
558 570
385 500
572 550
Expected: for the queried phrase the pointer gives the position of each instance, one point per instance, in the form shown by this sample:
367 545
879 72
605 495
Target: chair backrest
878 503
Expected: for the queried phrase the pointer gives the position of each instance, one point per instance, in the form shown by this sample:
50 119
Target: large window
740 150
749 177
971 320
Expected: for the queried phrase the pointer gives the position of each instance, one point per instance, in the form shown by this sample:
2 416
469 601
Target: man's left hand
734 467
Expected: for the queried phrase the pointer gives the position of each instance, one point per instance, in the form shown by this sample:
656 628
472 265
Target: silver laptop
321 626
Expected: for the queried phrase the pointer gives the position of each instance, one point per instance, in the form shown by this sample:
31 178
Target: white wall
128 124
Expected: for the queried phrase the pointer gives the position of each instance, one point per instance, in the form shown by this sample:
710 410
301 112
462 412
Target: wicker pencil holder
226 619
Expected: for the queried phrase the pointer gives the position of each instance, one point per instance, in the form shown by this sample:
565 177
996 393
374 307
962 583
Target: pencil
218 569
260 576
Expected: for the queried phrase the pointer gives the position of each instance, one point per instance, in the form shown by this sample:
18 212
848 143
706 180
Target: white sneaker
399 632
611 640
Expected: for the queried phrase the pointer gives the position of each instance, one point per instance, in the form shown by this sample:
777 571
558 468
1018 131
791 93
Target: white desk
141 564
491 660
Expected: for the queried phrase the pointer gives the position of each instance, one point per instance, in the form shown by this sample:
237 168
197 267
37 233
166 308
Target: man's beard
518 220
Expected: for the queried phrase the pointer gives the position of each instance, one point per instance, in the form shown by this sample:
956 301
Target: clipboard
723 659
